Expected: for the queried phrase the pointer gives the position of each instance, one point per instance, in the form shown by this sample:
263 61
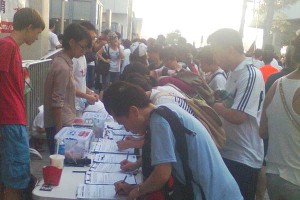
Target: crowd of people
146 86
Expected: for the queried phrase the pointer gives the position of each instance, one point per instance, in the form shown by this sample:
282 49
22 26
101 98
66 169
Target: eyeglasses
83 47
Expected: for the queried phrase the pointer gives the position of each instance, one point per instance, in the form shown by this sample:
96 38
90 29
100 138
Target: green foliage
173 37
279 22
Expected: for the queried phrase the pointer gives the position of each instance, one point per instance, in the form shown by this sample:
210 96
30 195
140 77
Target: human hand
91 99
218 107
123 188
95 95
124 144
126 165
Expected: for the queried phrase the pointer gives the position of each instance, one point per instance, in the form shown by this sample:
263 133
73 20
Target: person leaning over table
207 166
59 99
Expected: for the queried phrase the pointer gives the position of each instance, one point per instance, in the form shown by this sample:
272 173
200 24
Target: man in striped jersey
243 151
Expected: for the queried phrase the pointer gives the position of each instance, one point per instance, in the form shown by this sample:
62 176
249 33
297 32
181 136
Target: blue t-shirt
205 161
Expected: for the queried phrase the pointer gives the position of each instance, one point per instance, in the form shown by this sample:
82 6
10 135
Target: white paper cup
57 160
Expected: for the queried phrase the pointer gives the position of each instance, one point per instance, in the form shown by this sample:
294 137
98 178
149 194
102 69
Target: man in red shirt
267 69
14 142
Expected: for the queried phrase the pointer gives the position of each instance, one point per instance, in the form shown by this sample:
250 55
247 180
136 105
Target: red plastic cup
51 175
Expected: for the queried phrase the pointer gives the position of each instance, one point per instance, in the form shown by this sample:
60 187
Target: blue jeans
14 156
50 133
90 76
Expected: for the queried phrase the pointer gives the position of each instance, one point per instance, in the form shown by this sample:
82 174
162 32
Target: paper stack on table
109 146
97 192
97 178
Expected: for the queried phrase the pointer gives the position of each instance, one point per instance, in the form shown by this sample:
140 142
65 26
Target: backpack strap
179 132
216 74
106 49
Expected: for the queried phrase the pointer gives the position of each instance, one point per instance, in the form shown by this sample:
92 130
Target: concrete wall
117 6
40 47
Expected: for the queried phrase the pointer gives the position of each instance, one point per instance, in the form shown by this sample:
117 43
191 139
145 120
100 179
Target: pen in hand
121 182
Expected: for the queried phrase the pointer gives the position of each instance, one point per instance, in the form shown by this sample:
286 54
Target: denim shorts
14 156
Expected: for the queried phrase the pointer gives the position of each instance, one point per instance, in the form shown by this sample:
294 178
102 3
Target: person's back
283 135
280 123
207 166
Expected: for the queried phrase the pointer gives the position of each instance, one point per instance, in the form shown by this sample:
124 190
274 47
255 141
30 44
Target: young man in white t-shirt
243 151
80 69
53 42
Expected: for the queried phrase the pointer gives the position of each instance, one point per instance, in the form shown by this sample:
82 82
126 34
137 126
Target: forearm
57 115
157 179
81 94
263 128
121 54
230 115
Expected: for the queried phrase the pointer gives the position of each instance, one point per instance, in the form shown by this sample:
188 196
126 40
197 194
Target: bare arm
121 53
263 128
57 115
230 115
89 97
157 179
99 55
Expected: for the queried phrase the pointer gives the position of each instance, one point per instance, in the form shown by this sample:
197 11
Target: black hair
26 17
227 37
206 55
51 23
267 56
88 25
143 40
168 53
106 31
161 39
137 79
120 96
141 59
258 53
77 32
135 67
118 35
60 36
126 44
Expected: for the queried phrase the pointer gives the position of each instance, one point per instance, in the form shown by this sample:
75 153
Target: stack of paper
97 192
99 178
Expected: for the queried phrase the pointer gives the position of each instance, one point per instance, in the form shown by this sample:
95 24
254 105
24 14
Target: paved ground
37 163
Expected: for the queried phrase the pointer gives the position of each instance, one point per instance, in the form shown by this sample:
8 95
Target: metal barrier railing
37 72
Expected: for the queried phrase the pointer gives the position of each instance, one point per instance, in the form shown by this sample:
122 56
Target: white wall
117 6
40 47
